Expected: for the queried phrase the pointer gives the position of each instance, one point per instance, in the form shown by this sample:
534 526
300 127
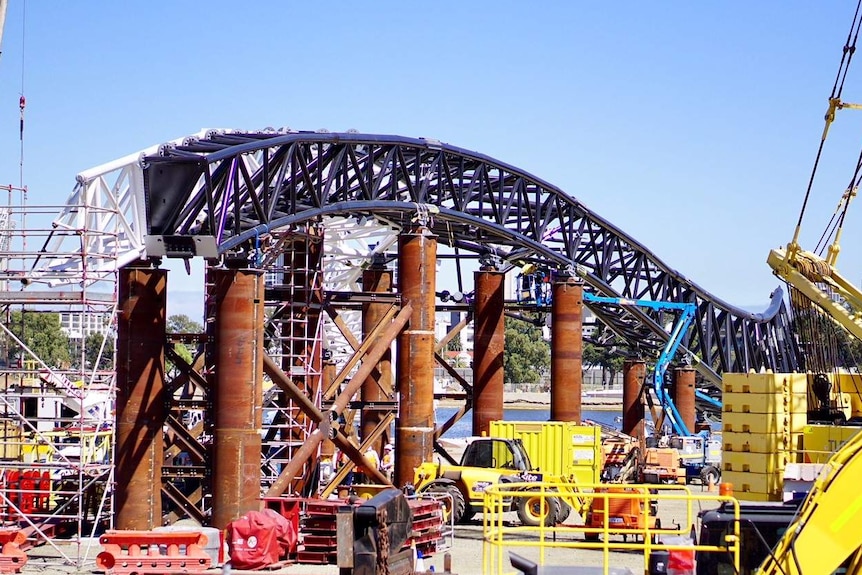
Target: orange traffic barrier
125 552
12 558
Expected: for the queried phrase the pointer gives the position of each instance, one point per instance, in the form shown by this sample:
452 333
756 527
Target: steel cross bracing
240 186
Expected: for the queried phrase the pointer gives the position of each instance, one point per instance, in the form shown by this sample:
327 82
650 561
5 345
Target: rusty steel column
327 374
683 395
488 338
566 349
414 429
237 393
378 386
634 372
142 407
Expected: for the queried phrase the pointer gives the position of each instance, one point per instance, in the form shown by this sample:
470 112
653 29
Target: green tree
454 344
99 348
527 356
181 323
41 333
607 357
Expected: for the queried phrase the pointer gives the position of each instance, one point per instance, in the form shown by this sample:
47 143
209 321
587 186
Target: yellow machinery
827 533
525 452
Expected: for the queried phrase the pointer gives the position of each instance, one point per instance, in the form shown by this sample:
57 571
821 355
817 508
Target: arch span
237 186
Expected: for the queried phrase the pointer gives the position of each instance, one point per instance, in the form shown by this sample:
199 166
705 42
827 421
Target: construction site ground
466 551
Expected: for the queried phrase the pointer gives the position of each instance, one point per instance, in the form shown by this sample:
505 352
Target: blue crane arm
683 322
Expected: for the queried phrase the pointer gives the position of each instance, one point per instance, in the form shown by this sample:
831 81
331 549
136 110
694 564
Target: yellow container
753 462
750 482
766 403
765 382
557 448
754 442
754 423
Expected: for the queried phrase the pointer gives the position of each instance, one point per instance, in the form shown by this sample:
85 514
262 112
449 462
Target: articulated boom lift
683 322
535 288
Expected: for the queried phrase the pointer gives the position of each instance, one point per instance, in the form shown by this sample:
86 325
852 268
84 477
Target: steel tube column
414 429
566 349
634 372
378 386
683 396
142 407
488 337
237 394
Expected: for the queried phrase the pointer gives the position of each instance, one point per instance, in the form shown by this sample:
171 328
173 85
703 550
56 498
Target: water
464 427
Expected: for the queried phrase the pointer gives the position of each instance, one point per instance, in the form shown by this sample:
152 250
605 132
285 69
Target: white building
77 325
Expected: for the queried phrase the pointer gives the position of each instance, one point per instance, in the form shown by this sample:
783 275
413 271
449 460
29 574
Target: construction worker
388 463
373 459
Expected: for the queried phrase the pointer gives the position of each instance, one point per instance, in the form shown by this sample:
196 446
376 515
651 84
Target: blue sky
690 125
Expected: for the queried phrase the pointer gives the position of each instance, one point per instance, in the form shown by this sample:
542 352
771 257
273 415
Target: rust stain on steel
566 350
341 401
414 432
634 372
378 385
683 395
488 334
237 394
141 398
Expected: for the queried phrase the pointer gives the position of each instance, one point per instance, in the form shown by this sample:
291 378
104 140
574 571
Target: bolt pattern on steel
237 393
683 395
634 372
566 349
417 266
141 397
489 340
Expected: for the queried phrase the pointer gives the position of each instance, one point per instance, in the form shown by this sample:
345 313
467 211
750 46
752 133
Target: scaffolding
57 335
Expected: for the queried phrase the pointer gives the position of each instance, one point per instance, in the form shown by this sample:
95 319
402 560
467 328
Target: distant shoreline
612 403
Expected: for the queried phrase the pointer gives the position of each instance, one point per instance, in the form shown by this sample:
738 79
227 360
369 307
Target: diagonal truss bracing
239 186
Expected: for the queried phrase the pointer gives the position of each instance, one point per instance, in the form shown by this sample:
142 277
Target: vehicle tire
454 507
565 511
591 537
532 508
710 472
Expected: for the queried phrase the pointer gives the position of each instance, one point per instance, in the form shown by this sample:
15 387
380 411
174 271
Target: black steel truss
238 187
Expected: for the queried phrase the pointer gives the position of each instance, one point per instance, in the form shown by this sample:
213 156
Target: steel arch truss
239 186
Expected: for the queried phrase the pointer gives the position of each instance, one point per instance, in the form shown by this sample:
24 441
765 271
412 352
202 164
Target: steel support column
566 349
488 337
237 395
378 386
414 431
327 374
141 397
683 395
634 372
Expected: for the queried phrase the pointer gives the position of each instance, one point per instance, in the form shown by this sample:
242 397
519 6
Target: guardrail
614 511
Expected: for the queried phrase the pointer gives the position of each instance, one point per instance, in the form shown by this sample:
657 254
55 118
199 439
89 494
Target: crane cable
834 104
22 101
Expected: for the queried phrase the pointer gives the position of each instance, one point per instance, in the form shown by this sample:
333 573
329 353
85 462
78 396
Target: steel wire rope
834 100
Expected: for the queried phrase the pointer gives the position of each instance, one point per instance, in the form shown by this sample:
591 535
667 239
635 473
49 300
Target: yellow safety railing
503 532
